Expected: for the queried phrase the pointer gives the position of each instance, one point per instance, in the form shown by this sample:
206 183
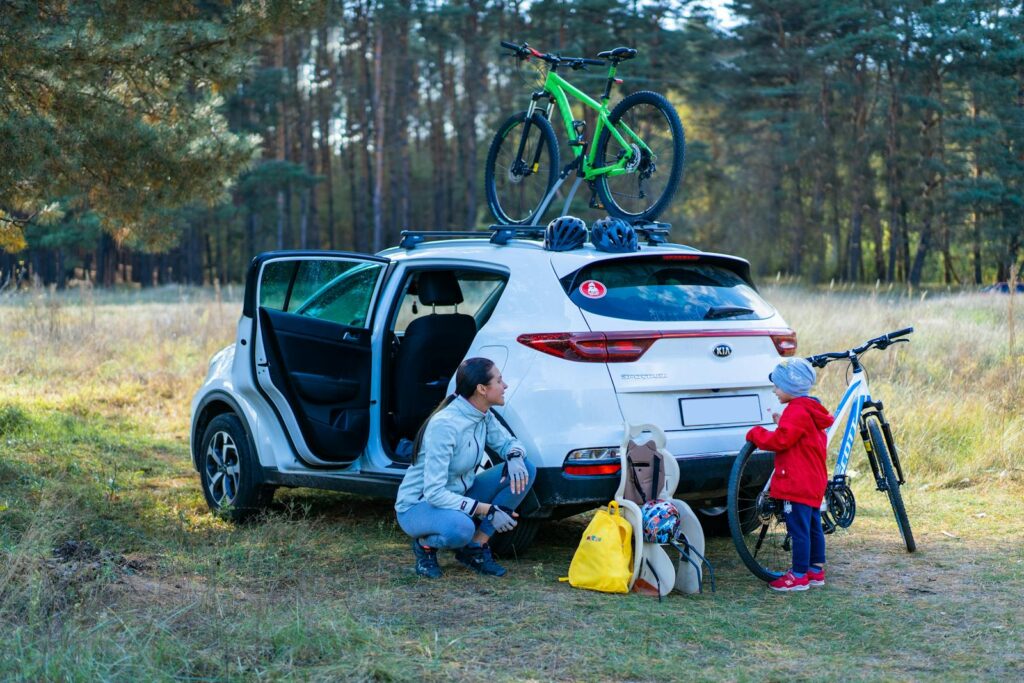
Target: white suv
339 357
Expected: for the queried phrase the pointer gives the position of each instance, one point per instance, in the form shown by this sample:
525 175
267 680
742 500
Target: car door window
332 290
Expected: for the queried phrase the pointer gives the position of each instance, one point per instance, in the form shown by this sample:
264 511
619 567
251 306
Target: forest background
155 143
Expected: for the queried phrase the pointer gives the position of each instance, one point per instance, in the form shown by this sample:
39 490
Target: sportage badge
722 350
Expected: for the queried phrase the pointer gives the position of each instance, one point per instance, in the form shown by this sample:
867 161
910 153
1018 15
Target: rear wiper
718 312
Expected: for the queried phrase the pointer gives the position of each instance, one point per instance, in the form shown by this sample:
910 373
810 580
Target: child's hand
775 416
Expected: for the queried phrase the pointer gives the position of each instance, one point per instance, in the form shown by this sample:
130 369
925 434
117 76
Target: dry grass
93 424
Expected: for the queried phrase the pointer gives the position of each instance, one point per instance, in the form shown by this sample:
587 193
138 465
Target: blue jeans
442 528
807 537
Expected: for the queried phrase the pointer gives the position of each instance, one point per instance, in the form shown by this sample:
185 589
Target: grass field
114 570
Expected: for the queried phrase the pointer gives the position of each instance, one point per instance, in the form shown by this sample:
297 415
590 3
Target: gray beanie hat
795 376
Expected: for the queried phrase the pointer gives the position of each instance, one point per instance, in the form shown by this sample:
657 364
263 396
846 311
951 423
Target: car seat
649 472
431 350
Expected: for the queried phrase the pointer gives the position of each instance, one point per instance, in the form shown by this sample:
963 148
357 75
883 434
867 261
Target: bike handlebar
525 51
880 343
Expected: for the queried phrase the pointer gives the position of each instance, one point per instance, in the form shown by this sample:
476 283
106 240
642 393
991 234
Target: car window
480 291
332 290
664 289
276 278
346 298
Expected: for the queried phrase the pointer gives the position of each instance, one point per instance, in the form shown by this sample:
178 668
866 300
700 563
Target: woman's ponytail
471 372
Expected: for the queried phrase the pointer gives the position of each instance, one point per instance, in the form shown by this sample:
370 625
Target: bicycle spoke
637 190
518 185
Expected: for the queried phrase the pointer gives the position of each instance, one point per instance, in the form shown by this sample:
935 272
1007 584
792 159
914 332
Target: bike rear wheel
644 193
517 183
891 482
756 522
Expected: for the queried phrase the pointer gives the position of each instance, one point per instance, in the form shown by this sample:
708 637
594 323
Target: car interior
432 325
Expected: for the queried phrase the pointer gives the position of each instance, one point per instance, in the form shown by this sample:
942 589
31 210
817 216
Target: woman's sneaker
426 561
479 559
816 577
788 582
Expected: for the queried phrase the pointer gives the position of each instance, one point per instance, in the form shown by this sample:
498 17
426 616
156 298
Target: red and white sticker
592 289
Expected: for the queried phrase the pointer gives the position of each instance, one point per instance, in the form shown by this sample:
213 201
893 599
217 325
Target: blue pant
807 537
442 528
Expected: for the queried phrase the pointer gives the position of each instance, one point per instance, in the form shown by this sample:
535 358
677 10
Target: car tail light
592 462
626 347
591 347
785 343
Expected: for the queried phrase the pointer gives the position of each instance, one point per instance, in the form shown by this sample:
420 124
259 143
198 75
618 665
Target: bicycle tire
892 483
760 537
615 192
509 209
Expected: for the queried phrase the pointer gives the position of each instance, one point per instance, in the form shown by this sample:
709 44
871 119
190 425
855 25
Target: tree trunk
378 136
327 73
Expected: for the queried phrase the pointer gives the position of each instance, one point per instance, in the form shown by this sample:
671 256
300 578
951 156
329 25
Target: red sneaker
816 577
787 582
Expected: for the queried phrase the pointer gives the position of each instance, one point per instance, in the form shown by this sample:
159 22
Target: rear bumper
703 482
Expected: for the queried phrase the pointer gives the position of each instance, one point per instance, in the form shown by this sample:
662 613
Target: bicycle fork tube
870 448
890 443
535 164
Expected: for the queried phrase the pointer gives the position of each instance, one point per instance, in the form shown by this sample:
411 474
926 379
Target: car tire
515 543
229 471
714 525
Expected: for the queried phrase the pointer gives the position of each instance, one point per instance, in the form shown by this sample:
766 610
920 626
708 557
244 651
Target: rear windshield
662 289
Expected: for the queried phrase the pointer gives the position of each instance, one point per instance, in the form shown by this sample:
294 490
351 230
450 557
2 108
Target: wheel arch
213 404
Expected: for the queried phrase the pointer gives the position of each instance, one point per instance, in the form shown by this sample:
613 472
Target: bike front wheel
890 481
756 521
645 191
522 165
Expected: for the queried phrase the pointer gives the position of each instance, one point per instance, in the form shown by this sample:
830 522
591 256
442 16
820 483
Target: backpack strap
656 471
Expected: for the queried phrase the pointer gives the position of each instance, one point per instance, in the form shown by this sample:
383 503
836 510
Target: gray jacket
452 449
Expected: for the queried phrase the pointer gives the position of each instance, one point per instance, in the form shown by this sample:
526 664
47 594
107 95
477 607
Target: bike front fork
874 409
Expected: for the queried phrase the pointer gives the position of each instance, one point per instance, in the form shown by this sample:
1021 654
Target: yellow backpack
604 559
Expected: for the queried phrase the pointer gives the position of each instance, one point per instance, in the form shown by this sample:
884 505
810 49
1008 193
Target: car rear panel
681 385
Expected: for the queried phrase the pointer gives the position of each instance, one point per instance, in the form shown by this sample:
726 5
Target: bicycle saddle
618 54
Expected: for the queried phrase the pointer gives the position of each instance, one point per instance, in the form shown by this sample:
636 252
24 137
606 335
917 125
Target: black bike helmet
613 235
565 233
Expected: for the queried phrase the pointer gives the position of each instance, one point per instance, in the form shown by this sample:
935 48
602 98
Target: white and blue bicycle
756 520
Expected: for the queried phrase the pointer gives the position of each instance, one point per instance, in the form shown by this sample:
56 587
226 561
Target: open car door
312 353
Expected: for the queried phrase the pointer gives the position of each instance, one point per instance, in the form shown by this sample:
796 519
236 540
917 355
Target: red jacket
800 452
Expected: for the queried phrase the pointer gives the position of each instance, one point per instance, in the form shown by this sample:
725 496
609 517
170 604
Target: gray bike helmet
613 235
565 233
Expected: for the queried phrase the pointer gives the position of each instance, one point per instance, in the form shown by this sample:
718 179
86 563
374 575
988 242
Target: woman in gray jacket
442 502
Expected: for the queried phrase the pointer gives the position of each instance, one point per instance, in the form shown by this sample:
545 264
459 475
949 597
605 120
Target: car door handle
350 336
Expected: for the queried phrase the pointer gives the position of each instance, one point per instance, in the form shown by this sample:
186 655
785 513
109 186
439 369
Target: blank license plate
720 410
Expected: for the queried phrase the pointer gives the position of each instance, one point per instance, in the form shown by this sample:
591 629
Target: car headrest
438 288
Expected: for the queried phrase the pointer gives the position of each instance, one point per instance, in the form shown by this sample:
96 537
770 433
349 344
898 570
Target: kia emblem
723 350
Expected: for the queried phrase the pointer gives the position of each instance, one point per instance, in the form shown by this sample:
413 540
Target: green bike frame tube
557 87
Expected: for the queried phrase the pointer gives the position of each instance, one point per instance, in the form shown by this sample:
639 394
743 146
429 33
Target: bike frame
850 414
558 90
851 406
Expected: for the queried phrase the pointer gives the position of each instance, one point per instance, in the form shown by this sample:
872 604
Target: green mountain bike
633 163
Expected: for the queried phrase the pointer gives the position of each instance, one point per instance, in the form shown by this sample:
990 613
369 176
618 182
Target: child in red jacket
800 475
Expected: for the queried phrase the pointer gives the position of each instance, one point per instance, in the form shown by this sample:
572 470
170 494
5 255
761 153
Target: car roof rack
656 234
496 234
